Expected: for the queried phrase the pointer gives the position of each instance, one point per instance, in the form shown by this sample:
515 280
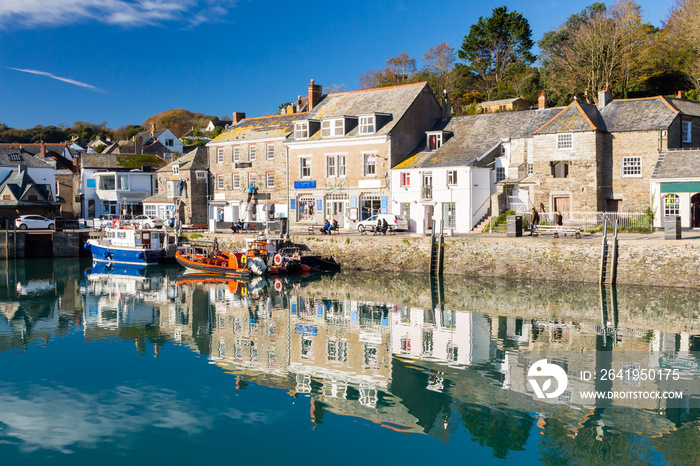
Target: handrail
488 199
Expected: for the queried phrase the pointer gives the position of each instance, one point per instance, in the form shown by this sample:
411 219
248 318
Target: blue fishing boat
133 246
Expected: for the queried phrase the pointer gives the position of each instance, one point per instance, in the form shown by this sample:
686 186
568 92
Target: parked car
106 220
34 222
146 222
399 222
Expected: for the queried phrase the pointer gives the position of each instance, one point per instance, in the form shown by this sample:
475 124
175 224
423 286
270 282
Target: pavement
688 236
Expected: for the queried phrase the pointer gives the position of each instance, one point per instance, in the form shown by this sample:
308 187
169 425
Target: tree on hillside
596 49
439 62
495 45
398 70
679 44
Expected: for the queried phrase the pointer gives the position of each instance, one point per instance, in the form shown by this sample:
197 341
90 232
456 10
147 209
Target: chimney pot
315 94
542 100
604 98
238 116
681 95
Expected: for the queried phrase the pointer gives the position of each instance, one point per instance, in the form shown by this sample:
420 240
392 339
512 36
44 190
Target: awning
689 187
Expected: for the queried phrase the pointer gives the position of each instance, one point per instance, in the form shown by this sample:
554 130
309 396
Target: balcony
426 192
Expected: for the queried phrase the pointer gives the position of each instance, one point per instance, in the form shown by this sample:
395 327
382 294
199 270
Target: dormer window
367 124
434 141
331 128
301 130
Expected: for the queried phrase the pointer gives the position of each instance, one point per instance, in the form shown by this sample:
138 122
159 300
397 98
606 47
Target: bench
312 229
556 230
391 229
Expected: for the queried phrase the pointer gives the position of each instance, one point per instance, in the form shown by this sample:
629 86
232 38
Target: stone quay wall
640 261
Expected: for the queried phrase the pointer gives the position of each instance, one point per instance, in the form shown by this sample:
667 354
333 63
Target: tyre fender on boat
278 285
244 260
278 259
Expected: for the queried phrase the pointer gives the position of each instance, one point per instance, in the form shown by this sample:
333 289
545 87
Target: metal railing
426 192
594 220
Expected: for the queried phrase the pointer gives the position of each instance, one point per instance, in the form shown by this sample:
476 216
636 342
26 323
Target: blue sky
121 61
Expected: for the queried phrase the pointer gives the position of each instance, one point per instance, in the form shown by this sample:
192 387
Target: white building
448 177
109 186
675 189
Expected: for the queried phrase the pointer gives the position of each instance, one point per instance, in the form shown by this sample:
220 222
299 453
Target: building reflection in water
410 355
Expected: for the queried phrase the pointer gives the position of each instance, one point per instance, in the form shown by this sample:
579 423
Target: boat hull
213 266
137 256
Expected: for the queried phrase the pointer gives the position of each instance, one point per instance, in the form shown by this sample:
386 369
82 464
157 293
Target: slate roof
159 199
678 164
121 161
267 127
638 114
390 100
19 182
686 107
193 160
576 117
474 136
145 135
35 149
500 102
9 156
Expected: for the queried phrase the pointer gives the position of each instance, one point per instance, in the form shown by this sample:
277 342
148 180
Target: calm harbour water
104 366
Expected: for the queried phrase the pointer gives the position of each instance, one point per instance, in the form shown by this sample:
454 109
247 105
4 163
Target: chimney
315 93
238 116
43 149
542 101
446 111
138 145
681 95
153 128
604 98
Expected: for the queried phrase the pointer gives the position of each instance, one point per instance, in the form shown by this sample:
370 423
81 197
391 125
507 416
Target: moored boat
129 245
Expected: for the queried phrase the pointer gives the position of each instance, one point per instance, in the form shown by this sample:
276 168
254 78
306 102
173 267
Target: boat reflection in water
448 359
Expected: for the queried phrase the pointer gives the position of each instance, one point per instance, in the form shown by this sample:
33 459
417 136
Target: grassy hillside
178 120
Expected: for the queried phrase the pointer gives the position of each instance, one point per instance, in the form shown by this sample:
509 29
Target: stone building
250 152
183 187
598 158
341 152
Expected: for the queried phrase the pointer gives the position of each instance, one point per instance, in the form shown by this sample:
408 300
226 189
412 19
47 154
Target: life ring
244 259
244 290
278 261
278 285
296 256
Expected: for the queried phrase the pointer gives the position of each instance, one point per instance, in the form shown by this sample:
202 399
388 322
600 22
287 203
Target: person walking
534 221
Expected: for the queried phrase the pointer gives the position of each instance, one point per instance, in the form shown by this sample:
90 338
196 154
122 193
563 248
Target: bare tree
439 61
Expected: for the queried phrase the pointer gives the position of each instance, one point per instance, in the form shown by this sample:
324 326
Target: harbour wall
640 261
22 244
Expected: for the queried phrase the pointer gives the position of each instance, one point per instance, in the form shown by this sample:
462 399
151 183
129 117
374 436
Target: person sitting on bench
326 229
236 226
334 225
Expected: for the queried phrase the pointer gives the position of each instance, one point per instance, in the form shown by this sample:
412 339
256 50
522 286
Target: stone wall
641 262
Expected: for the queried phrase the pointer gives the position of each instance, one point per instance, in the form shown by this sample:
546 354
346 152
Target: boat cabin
132 238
